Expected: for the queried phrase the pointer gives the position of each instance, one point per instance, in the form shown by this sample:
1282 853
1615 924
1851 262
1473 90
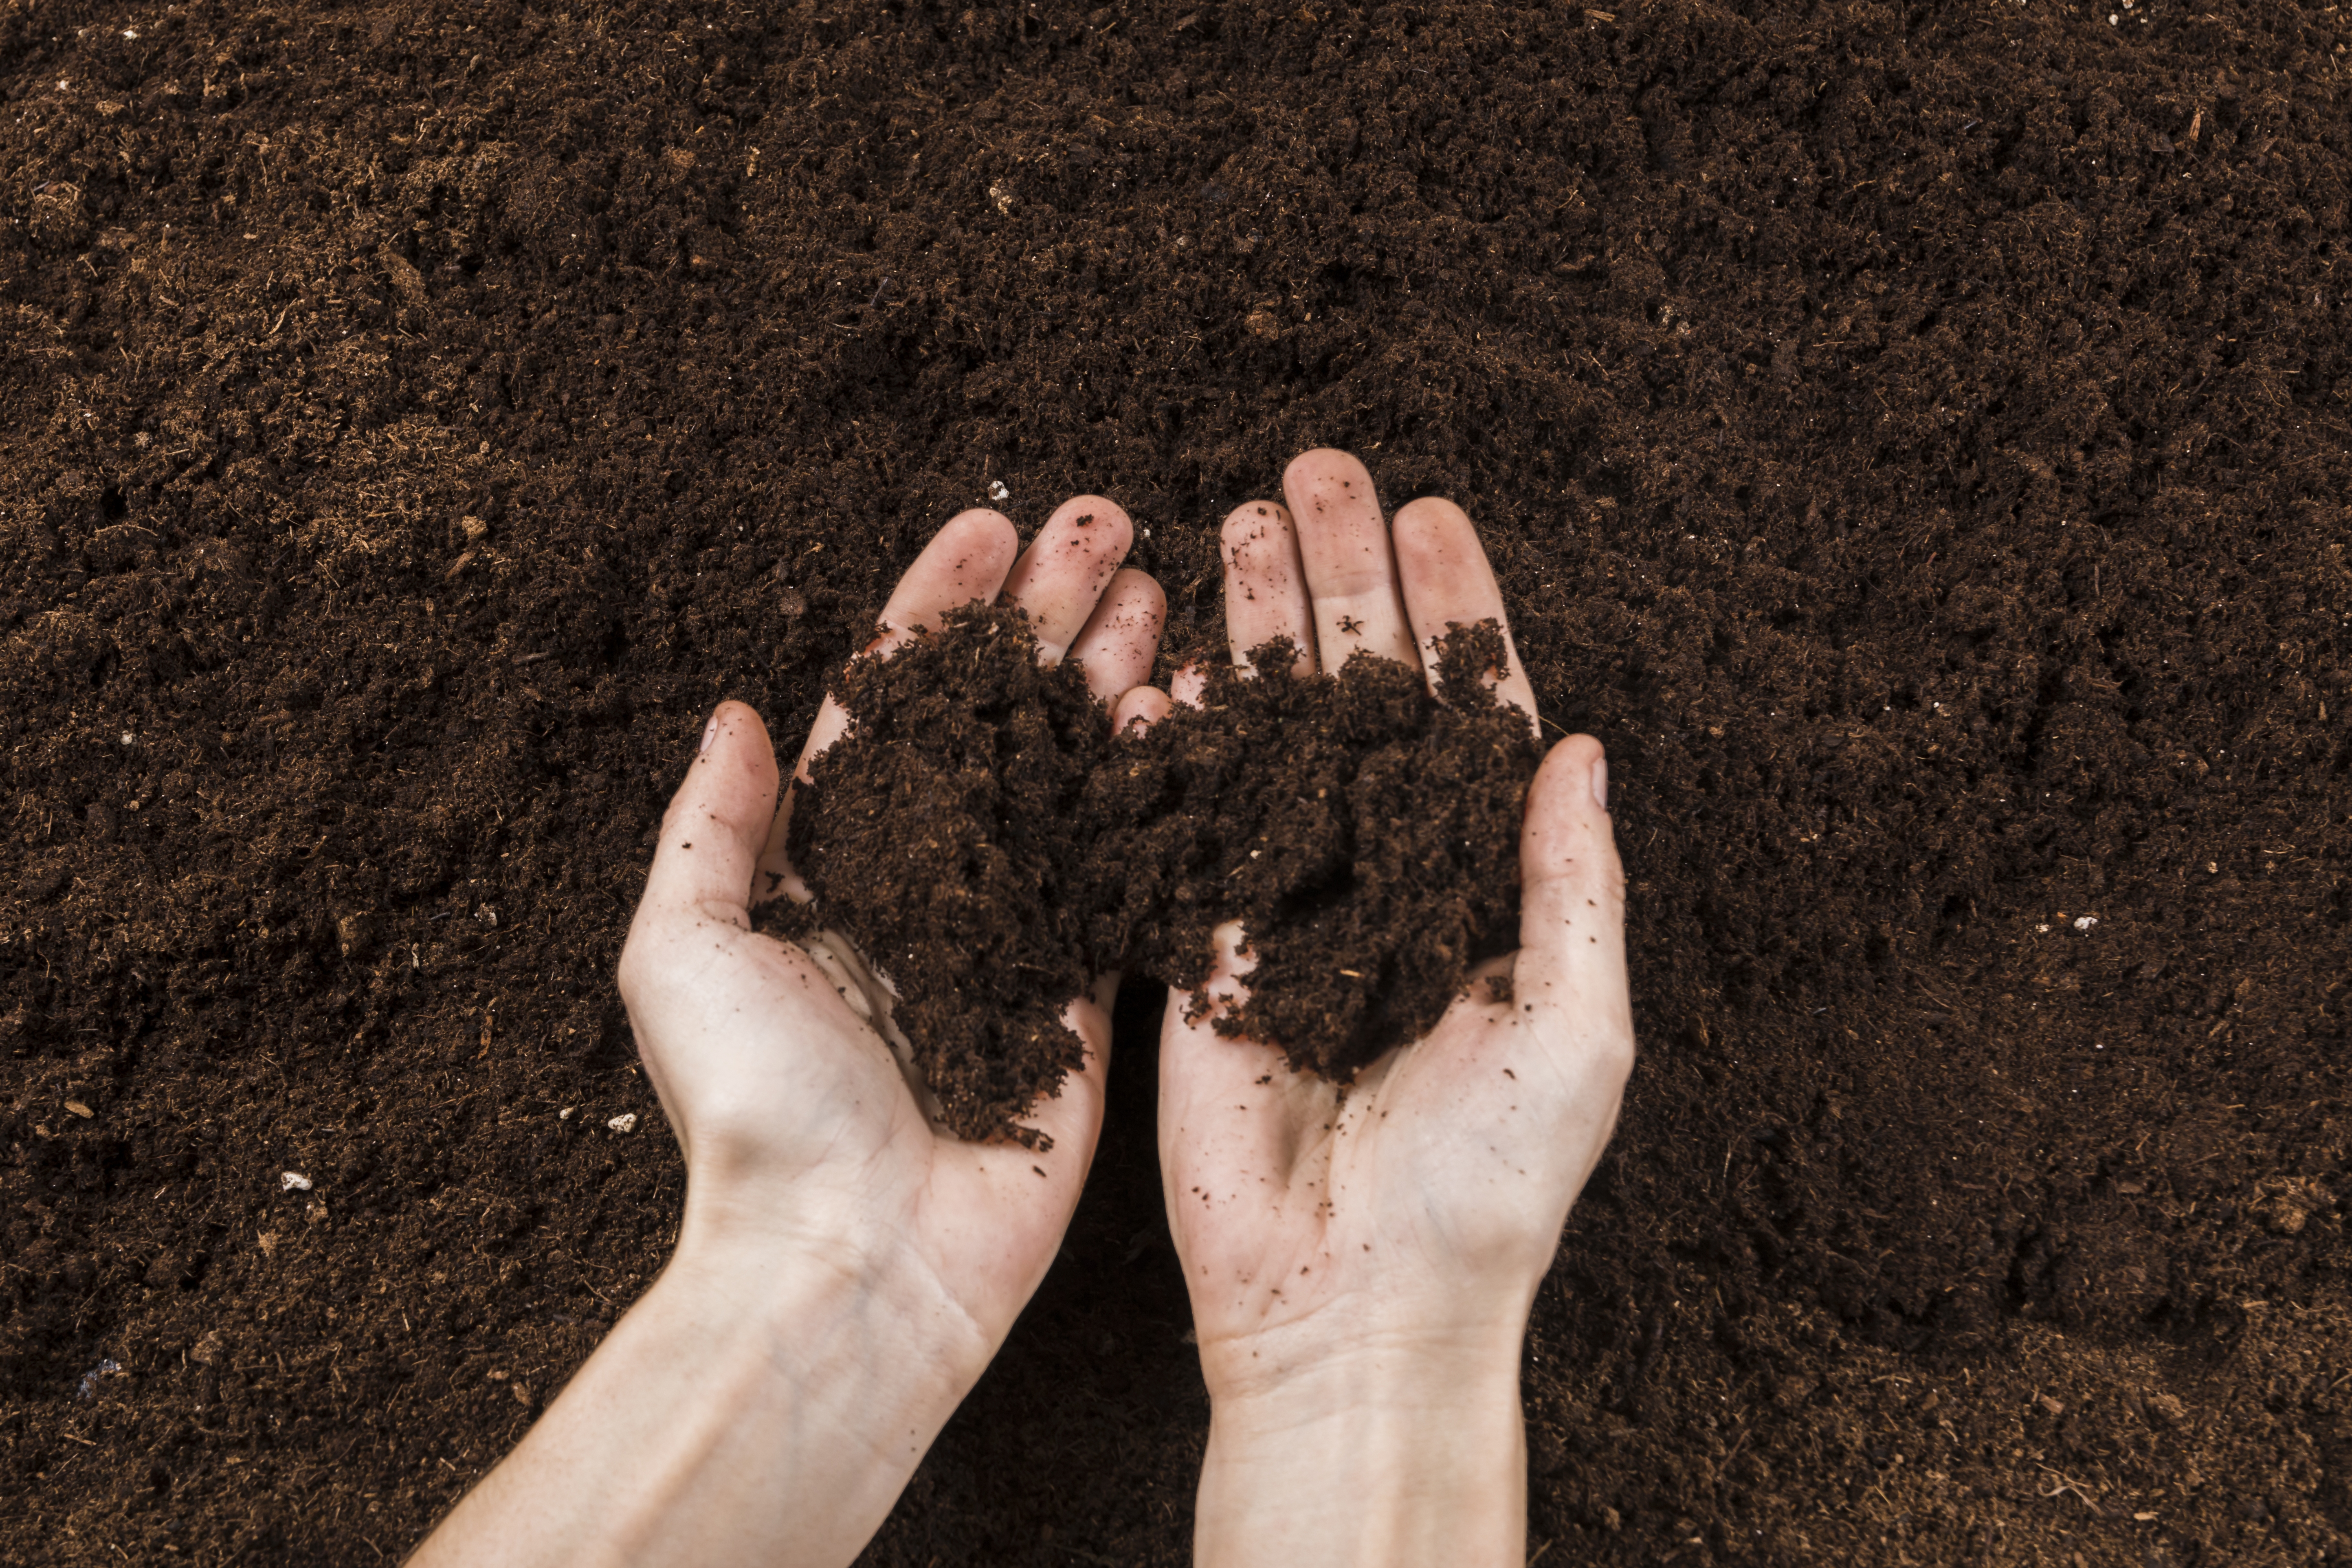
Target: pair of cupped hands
1360 1263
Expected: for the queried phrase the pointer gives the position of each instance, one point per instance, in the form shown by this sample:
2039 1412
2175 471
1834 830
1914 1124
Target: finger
1064 572
1447 581
1141 708
1122 636
1570 978
717 822
1350 570
1265 585
968 559
1191 683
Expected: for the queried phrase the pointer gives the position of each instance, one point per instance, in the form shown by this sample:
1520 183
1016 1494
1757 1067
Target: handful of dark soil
991 848
1364 834
942 834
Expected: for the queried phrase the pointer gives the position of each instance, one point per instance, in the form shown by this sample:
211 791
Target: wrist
762 1401
787 1276
1402 1448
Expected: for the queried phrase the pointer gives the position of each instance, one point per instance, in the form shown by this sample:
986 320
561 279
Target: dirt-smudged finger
1064 572
1265 584
1121 638
1350 570
1447 581
966 560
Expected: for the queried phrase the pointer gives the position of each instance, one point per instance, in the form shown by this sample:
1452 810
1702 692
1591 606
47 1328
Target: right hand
1342 1250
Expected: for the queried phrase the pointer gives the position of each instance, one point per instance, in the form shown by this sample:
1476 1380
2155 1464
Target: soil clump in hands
990 848
1364 833
937 835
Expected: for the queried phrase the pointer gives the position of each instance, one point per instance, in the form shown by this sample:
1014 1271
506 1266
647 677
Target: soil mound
1365 834
990 847
945 835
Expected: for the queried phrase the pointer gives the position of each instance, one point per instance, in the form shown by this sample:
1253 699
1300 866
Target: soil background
1914 440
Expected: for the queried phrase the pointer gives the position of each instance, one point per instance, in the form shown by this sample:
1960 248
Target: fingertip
1138 709
1140 593
983 530
1121 638
1251 522
1099 523
734 740
968 559
1429 531
1191 683
1324 467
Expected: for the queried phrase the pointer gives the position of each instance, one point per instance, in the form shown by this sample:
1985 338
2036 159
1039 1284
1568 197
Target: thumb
712 834
1571 976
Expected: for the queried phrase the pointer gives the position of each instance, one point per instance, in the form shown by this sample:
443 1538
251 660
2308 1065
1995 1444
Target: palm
1443 1162
794 1084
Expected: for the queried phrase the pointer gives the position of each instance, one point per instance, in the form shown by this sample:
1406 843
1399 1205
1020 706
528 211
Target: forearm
1392 1454
755 1407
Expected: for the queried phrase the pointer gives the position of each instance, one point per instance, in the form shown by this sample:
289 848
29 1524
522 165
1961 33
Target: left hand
798 1122
845 1269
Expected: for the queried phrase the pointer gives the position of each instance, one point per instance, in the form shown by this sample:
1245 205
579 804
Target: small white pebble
996 490
2087 922
2041 931
625 1122
293 1182
129 738
565 1114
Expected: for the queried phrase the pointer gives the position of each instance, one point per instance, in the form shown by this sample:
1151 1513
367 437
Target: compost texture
982 839
1914 441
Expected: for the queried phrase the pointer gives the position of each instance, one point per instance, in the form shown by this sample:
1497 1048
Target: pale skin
1360 1267
1361 1263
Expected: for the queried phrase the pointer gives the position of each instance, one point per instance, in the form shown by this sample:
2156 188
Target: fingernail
709 734
1600 783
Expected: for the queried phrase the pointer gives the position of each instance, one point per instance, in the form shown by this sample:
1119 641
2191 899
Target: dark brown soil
1364 834
946 834
1917 442
987 845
